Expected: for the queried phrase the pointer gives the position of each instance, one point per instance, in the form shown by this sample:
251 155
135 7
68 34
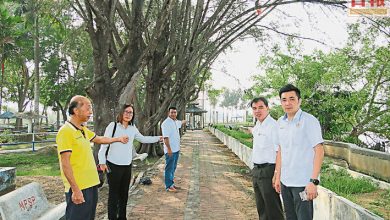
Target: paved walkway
215 185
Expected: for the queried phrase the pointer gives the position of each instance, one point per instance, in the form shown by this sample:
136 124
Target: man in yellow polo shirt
78 167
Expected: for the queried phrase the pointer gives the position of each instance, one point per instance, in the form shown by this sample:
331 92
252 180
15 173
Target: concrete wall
370 162
242 151
327 206
330 206
7 179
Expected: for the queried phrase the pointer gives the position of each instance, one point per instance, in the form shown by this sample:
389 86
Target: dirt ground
54 188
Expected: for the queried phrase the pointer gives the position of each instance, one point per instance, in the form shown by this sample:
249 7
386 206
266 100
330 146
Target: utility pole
36 64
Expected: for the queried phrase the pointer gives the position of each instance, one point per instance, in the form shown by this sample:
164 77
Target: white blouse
122 154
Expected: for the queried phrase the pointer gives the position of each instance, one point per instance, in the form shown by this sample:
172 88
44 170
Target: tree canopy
348 89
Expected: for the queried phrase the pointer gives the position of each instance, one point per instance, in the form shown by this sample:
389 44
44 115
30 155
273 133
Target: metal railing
34 139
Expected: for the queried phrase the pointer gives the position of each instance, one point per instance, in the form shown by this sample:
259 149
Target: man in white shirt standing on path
170 132
265 147
300 156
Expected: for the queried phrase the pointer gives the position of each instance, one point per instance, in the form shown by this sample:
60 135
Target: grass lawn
45 162
39 163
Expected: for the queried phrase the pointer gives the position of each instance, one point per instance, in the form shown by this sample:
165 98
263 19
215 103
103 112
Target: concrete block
7 179
57 212
29 202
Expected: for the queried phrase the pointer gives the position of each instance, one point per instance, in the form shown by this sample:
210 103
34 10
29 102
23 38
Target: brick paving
214 183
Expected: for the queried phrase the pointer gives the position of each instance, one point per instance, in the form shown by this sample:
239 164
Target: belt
263 165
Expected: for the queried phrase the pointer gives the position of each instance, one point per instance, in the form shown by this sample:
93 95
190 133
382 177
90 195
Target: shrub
6 137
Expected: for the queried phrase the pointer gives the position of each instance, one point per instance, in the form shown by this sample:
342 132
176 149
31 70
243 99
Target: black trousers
119 181
269 206
85 210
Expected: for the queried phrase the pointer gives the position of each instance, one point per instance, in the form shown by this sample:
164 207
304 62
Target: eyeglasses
128 113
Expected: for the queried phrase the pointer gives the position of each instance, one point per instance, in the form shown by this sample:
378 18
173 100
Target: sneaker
171 189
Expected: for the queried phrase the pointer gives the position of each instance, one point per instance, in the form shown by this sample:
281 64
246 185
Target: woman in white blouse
116 160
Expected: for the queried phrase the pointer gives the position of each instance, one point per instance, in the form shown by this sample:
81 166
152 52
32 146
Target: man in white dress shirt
170 132
265 147
300 156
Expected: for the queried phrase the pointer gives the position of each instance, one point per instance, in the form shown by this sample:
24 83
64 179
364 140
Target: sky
234 68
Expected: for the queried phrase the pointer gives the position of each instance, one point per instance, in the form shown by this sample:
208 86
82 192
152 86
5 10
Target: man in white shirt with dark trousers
265 147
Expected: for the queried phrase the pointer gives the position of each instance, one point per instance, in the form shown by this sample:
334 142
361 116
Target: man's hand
311 191
124 139
276 183
161 139
77 197
183 122
170 152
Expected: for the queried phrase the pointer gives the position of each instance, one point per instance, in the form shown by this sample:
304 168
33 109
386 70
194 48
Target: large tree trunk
151 107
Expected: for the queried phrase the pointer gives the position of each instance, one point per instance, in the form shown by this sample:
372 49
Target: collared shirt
265 141
119 153
77 141
297 139
170 129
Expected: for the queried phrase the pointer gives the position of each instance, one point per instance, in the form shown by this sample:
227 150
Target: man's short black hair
288 88
256 100
72 106
172 107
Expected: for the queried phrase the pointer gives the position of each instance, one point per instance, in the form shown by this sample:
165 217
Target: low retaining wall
7 179
370 162
242 151
328 205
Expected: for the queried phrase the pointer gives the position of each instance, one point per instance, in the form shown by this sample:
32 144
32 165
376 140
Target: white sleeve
145 139
103 147
275 136
314 130
165 130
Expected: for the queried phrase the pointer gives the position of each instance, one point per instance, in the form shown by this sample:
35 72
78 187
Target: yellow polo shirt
72 139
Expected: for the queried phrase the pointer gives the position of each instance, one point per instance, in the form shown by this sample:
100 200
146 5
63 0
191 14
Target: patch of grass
383 202
241 136
342 183
40 163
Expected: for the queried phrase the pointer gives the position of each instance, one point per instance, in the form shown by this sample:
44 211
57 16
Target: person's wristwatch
315 181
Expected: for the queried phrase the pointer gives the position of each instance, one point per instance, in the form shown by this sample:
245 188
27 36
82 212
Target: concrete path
215 185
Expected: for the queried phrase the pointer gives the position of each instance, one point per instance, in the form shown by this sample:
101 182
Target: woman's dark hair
119 118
